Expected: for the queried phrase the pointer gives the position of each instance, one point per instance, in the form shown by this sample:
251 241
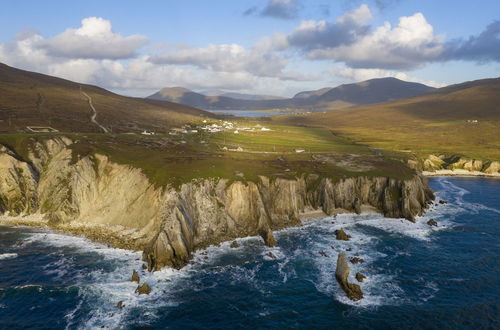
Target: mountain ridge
365 92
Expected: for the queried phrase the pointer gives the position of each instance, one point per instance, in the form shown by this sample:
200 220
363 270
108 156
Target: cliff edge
118 204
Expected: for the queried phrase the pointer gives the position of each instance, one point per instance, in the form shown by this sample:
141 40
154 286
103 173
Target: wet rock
341 235
333 247
271 255
360 277
356 260
432 222
143 289
353 291
135 276
442 201
120 304
348 249
323 253
19 243
144 266
234 245
268 237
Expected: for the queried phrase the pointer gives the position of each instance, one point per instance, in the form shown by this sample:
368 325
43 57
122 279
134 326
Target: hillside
366 92
461 119
33 99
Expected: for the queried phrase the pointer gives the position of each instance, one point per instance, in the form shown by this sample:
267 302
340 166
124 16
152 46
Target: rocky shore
117 204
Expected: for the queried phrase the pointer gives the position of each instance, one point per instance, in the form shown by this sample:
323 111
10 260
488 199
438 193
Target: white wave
4 256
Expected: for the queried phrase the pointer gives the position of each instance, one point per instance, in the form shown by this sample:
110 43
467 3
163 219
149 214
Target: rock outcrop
117 203
352 290
341 235
143 289
456 165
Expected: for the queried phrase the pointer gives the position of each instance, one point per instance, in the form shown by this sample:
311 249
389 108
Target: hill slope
366 92
461 119
33 99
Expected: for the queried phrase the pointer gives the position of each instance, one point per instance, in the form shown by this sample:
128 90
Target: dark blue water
417 276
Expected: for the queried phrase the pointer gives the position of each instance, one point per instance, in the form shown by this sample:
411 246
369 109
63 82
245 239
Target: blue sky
274 47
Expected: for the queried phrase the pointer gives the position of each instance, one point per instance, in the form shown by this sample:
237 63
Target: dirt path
94 112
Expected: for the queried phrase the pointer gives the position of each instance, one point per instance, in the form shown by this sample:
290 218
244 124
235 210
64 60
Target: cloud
282 9
484 47
407 45
348 74
312 35
259 60
94 39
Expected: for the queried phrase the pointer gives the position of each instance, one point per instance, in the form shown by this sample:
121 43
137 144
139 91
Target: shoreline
460 173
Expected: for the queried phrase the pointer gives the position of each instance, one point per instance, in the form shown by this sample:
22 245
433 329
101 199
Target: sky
271 47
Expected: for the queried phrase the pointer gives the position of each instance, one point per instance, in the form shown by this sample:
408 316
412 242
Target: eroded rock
341 235
143 289
135 277
360 277
353 291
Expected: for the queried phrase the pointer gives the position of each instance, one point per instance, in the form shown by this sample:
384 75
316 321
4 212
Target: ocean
444 277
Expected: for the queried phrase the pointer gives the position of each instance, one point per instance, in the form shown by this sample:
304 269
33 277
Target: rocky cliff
117 203
456 165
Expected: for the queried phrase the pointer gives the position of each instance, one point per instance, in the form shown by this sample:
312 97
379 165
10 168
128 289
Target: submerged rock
353 291
360 277
234 245
271 255
341 235
143 289
356 260
323 253
120 304
432 222
135 277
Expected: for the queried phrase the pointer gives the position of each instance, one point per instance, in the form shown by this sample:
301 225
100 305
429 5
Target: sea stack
353 291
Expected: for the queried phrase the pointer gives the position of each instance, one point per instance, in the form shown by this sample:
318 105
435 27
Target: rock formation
456 165
353 291
143 289
135 277
360 277
341 235
117 203
432 222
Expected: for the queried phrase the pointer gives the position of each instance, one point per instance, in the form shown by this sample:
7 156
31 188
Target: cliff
118 204
456 165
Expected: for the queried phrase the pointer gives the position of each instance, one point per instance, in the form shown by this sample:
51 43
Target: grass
168 161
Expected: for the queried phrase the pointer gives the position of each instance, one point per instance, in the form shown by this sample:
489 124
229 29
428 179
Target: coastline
460 173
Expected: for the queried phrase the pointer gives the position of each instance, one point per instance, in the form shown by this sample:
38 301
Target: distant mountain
249 97
366 92
34 99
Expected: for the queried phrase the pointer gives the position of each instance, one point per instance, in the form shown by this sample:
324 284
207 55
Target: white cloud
260 60
407 45
94 39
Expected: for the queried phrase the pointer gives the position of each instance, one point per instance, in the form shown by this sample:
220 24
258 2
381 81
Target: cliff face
118 204
442 165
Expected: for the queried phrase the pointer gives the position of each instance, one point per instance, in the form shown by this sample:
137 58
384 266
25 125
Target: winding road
94 111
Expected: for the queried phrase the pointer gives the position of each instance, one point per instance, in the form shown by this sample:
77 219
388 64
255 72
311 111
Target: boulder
143 289
144 266
234 245
432 222
135 276
353 291
442 201
341 235
360 277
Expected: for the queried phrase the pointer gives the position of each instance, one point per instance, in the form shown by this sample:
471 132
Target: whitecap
4 256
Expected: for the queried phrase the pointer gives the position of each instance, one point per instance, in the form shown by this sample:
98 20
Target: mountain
249 97
366 92
34 99
457 119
